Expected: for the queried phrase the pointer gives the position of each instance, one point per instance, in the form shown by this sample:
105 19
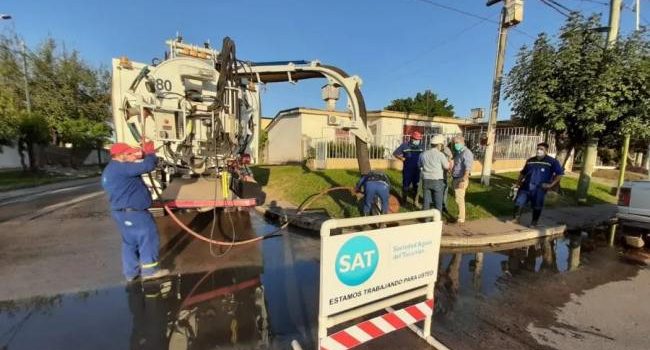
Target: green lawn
295 184
11 180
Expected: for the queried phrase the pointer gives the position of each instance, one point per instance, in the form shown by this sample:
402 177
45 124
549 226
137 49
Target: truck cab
634 207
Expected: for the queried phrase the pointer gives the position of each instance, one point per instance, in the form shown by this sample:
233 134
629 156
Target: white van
634 206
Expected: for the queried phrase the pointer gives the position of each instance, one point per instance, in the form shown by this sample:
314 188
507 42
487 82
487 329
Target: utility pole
614 21
626 140
511 14
591 148
646 163
28 102
637 12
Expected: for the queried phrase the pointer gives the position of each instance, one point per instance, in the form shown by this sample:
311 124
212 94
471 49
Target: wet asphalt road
18 206
62 288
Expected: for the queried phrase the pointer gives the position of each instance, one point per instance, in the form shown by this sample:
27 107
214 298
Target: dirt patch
612 174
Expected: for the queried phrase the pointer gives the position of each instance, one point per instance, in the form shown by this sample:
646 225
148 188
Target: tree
9 93
32 130
70 99
632 60
424 103
70 94
7 119
576 88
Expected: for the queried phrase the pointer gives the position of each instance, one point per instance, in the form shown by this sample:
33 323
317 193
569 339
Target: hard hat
438 140
123 148
416 135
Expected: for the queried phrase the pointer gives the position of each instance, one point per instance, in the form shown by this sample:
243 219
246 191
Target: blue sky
397 47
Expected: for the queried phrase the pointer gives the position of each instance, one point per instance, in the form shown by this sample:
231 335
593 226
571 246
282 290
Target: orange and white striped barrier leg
374 328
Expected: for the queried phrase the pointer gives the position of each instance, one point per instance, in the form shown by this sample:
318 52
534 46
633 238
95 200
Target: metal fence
511 143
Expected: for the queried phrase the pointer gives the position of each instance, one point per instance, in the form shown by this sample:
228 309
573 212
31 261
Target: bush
608 156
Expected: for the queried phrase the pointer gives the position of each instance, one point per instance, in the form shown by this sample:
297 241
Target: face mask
458 147
541 153
415 142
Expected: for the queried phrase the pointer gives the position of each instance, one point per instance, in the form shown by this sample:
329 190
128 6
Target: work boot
536 214
516 215
156 275
132 279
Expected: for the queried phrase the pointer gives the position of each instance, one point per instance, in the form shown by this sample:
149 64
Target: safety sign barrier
365 271
378 326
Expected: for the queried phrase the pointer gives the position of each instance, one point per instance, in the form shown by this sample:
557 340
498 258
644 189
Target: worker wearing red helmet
130 200
409 153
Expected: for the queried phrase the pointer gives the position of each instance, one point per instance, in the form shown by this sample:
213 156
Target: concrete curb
502 238
464 239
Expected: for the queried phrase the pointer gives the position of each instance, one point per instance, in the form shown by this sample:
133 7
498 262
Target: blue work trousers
373 189
445 193
433 190
535 196
410 178
140 242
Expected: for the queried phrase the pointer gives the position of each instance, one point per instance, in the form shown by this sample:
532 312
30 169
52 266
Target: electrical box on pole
514 12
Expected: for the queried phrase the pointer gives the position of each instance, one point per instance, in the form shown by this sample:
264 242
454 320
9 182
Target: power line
447 40
595 2
560 5
469 14
551 5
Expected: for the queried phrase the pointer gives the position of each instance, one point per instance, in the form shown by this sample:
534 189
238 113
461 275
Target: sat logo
356 261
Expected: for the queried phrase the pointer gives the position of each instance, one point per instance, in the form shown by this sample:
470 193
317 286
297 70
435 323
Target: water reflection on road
243 302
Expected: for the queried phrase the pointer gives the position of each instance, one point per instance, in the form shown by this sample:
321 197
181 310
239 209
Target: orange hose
205 239
197 235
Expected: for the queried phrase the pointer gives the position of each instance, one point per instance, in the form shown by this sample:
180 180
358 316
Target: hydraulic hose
275 233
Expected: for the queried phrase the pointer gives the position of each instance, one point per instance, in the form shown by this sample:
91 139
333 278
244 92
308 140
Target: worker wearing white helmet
434 164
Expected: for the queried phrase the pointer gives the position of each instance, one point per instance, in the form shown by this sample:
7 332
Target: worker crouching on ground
409 153
540 174
434 165
130 200
374 184
463 161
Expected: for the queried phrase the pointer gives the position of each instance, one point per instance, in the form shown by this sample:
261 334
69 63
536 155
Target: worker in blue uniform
374 184
409 154
129 201
540 174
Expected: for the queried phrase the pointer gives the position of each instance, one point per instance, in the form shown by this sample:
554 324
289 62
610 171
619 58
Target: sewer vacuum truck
201 107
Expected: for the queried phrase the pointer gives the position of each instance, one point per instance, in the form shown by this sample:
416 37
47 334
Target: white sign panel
360 268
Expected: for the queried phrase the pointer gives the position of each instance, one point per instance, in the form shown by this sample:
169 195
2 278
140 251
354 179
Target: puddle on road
249 307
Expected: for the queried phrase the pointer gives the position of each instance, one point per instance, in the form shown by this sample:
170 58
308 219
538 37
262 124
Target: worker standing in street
409 153
462 167
434 165
541 173
129 201
374 184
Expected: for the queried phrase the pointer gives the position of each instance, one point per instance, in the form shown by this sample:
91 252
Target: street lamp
5 16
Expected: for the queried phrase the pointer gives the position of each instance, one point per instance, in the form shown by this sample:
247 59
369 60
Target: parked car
634 208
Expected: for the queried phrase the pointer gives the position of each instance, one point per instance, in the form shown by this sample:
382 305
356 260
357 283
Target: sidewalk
477 233
23 192
492 231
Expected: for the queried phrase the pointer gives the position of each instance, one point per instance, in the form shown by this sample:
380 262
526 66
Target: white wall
285 140
395 126
10 159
